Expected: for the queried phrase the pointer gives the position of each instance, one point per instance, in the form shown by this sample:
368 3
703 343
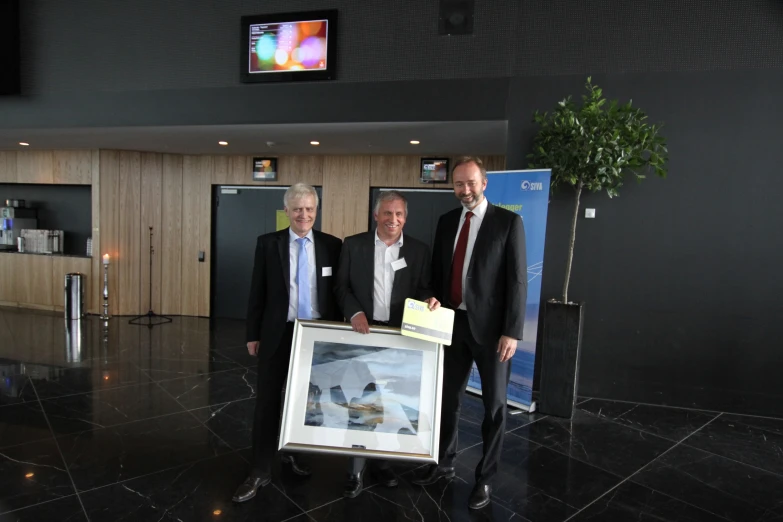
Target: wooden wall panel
494 162
61 266
191 184
151 201
129 227
394 171
241 171
346 195
72 167
204 196
171 236
110 222
96 285
35 166
221 167
33 278
8 166
299 169
7 278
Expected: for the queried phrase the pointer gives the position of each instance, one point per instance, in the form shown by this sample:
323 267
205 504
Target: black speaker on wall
455 17
10 74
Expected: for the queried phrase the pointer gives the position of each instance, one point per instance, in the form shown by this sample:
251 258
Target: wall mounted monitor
434 170
289 47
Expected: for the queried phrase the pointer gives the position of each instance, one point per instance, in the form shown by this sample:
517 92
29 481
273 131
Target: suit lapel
285 259
401 277
321 257
367 260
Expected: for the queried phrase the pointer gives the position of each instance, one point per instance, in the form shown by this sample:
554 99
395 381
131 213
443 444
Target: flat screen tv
289 47
9 47
434 170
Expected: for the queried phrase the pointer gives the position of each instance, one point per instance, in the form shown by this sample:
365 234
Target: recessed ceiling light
415 142
223 143
24 144
315 143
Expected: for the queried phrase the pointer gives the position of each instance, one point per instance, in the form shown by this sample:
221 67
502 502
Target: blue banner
525 192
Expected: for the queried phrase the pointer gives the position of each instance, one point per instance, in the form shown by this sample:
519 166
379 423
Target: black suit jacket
356 276
495 291
267 308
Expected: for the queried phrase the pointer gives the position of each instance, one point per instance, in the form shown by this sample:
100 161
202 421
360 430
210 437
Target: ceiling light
29 475
24 144
217 512
315 143
223 143
415 142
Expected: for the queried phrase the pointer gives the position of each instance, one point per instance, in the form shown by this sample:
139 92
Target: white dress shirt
383 273
293 288
475 223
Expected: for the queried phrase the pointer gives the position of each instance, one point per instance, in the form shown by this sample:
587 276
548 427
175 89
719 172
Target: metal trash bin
74 296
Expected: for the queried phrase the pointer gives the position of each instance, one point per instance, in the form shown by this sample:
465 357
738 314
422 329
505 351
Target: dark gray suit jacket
267 307
355 277
496 285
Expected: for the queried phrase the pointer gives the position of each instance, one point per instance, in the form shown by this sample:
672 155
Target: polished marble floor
139 424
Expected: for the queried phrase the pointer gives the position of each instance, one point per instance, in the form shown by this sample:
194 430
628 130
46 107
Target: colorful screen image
434 170
264 169
288 46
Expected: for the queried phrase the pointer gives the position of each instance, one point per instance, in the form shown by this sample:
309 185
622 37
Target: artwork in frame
374 395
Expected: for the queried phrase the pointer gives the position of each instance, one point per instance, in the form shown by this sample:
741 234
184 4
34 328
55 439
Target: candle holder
105 315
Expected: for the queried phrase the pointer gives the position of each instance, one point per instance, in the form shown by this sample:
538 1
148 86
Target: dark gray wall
681 276
60 207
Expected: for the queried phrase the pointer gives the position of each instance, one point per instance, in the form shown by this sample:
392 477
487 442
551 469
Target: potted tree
592 147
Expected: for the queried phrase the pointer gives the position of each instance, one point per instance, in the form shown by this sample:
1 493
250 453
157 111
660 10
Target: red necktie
458 262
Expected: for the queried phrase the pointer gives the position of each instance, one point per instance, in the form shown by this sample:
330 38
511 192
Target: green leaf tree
593 147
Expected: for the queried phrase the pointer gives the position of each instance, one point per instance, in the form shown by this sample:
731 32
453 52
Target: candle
105 259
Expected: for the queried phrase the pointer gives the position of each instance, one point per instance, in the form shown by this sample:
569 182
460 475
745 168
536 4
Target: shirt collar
479 211
398 243
292 237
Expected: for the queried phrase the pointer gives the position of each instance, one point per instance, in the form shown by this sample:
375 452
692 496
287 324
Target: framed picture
434 170
366 395
264 169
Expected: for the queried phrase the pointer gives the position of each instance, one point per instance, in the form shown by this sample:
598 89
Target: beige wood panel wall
171 236
405 171
346 194
151 211
37 281
65 167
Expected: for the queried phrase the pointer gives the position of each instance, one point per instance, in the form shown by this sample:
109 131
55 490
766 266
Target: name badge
326 271
400 263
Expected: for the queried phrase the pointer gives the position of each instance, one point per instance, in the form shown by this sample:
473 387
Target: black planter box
560 358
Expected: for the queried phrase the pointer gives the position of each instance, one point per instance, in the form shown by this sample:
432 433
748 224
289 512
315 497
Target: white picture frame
375 395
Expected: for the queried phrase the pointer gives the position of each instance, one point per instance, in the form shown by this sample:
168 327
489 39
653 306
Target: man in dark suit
378 271
479 268
292 278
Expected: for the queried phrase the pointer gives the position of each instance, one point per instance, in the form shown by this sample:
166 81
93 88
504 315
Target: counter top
49 255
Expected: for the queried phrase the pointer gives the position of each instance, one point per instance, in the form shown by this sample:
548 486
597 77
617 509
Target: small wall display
434 170
264 169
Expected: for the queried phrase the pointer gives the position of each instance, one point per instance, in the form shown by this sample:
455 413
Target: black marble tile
195 492
751 440
239 355
15 388
634 502
212 389
51 382
101 409
32 473
232 422
21 423
105 456
167 368
68 509
536 482
726 488
468 434
602 443
669 423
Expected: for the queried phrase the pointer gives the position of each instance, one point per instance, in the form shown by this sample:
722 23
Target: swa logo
414 306
532 185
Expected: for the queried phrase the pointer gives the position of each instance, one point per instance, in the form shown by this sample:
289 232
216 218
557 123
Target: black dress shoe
433 474
248 488
480 496
354 485
385 477
297 466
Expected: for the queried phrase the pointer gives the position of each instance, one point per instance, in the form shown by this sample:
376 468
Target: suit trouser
272 376
458 362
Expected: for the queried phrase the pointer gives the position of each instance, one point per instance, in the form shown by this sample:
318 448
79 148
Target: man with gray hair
378 271
292 279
